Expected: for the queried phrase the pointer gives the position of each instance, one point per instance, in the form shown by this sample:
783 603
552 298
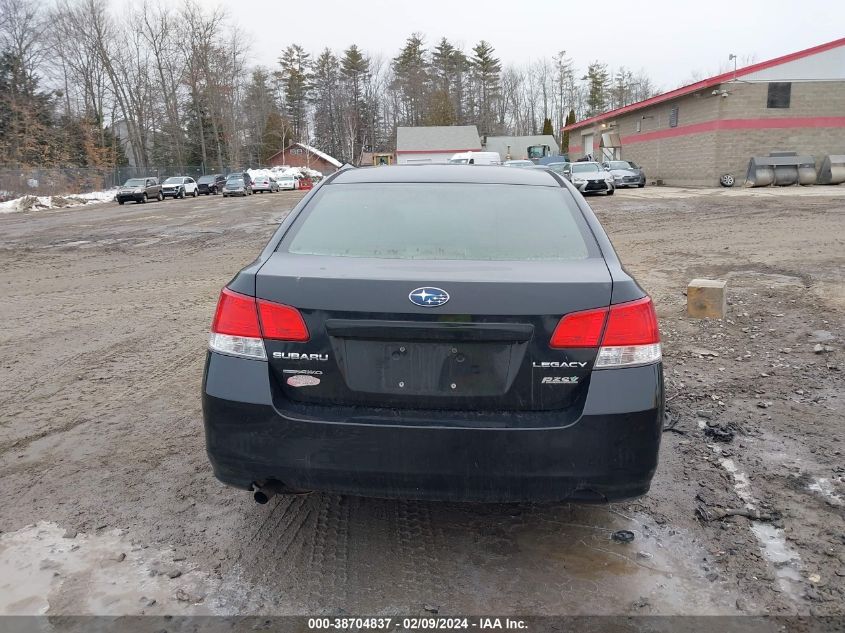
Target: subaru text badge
428 297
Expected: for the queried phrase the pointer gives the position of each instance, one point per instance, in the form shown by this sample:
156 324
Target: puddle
44 571
785 561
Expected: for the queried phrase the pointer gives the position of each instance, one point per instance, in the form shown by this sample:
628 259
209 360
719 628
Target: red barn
301 155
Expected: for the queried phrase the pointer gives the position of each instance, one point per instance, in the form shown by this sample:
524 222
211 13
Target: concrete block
707 298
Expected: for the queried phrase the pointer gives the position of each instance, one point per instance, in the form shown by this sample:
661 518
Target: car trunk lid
485 348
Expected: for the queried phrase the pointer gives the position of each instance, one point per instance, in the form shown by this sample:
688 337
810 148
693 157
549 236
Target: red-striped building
695 134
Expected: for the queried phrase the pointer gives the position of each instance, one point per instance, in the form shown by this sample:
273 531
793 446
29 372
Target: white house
434 144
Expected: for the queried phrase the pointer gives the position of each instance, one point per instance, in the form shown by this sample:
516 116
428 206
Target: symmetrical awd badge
428 297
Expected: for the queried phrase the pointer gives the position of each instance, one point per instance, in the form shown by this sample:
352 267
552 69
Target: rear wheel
610 192
195 193
160 196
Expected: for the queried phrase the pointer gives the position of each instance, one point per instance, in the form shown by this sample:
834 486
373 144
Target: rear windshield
205 179
441 221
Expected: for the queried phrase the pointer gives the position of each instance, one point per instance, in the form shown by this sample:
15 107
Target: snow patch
772 540
825 488
38 203
45 569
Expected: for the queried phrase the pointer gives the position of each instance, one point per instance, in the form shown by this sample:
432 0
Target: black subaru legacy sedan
436 332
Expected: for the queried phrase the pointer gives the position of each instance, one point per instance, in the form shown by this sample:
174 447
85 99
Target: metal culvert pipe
759 175
806 174
832 170
781 169
786 175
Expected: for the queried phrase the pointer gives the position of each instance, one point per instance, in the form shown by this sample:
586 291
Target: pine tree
325 97
411 79
296 78
486 70
597 79
547 127
440 110
26 116
564 143
355 70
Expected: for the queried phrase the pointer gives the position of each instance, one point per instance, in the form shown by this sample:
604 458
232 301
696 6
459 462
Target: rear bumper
610 453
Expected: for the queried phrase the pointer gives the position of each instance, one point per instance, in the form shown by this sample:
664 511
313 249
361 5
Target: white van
476 158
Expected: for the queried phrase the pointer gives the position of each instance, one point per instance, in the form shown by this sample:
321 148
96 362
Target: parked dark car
237 185
139 190
244 175
388 342
179 187
626 173
211 184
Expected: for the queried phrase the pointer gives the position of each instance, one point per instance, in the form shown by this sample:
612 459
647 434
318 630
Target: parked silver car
626 173
264 184
589 177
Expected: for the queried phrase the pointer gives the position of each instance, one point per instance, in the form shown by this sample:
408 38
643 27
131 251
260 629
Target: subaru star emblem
428 297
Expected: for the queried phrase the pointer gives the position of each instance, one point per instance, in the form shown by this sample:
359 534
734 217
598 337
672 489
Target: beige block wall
700 159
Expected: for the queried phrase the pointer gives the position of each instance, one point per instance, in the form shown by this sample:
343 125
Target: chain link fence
16 182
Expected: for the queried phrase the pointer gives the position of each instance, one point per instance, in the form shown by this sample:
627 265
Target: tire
121 202
727 180
160 196
610 192
214 191
195 193
144 199
640 186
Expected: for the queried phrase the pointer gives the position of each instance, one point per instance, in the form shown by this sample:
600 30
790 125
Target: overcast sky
670 39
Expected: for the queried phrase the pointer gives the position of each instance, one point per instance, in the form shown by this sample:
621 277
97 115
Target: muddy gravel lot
108 505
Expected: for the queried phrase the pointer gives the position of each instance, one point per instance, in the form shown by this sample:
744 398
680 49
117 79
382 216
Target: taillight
241 323
632 323
579 329
236 315
280 322
630 335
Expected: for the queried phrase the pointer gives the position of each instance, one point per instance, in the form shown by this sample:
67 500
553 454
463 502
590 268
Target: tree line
85 84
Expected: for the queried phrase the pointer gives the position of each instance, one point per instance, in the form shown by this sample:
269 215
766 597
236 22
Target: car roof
487 174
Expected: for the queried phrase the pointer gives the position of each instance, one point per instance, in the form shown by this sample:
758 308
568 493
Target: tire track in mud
328 567
158 380
416 544
268 560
